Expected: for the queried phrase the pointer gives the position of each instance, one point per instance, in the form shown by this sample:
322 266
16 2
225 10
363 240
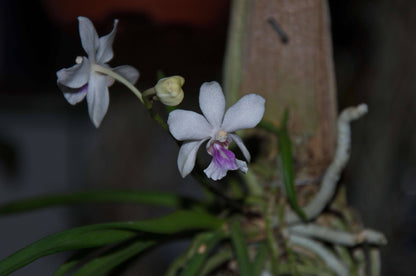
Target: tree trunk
290 65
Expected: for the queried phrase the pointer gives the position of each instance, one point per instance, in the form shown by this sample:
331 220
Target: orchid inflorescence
91 76
248 222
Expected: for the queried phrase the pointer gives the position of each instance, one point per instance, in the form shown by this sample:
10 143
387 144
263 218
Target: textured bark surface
297 75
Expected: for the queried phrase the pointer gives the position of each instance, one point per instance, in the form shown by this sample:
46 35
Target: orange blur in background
199 13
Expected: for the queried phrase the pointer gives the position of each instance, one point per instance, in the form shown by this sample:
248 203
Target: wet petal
241 145
75 76
98 98
212 102
187 156
89 37
188 125
246 113
128 72
74 96
105 50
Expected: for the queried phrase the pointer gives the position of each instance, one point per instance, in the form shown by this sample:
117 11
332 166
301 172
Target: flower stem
111 73
155 116
149 92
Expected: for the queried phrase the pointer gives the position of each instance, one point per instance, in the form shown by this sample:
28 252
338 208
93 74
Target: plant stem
155 116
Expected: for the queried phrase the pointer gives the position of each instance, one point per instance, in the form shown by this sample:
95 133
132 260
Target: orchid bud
169 90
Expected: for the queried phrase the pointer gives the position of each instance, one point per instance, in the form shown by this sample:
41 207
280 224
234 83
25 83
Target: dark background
48 146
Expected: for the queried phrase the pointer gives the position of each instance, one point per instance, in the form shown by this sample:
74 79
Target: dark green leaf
68 240
73 261
124 196
240 249
201 249
108 233
218 259
260 259
286 156
103 264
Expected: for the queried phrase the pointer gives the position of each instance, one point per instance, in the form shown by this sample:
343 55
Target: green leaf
260 259
215 261
73 261
77 238
201 249
285 148
124 196
240 248
108 233
103 264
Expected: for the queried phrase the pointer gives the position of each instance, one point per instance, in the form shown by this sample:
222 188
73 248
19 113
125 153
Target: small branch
326 255
339 237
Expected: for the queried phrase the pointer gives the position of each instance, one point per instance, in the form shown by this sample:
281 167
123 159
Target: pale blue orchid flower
83 79
194 129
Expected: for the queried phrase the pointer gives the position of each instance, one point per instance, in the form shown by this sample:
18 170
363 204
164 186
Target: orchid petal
188 125
212 102
241 145
75 76
187 156
89 37
105 50
128 72
98 98
110 81
215 171
242 166
246 113
74 96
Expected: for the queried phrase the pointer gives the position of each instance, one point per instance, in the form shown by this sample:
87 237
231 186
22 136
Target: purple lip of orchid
194 129
222 157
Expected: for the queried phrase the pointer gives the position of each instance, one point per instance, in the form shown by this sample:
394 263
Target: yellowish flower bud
169 90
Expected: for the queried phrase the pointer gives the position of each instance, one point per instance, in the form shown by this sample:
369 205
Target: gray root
338 237
375 261
332 174
325 254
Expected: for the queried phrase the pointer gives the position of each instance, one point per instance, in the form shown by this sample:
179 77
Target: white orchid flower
194 129
84 79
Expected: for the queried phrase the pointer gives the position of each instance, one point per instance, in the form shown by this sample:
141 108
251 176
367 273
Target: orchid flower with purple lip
194 129
84 79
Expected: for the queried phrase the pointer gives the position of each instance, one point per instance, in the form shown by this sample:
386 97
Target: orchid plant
225 229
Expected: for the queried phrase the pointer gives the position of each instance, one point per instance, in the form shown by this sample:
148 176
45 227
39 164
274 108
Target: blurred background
48 146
